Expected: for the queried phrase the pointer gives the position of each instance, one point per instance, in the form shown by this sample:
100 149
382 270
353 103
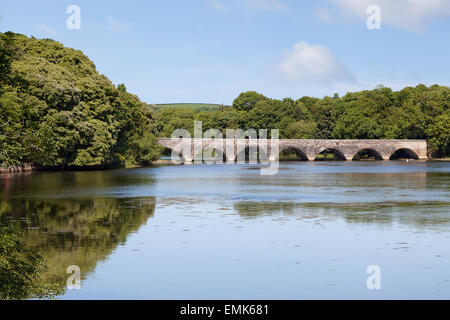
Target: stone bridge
187 149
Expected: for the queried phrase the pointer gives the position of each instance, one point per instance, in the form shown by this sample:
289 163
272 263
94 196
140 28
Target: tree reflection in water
78 232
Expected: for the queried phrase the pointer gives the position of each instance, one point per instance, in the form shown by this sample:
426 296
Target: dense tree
438 133
170 120
300 130
246 101
56 110
145 149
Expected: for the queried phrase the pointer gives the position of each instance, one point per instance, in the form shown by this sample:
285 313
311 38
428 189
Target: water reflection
78 232
70 184
428 214
251 209
226 232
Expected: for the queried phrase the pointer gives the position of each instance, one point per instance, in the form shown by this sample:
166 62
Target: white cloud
267 5
312 64
410 15
47 30
116 25
324 15
217 5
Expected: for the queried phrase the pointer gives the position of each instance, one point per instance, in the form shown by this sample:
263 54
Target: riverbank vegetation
56 110
22 269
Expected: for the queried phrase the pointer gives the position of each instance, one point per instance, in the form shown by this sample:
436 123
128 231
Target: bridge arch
404 153
367 153
284 151
168 151
338 155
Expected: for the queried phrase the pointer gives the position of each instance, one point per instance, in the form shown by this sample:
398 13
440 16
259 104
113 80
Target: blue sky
211 50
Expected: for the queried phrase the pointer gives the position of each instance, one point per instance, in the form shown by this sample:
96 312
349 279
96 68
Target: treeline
56 110
413 113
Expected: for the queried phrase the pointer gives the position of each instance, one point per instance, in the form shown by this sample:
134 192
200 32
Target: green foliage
439 135
247 100
170 120
22 269
145 149
300 130
56 110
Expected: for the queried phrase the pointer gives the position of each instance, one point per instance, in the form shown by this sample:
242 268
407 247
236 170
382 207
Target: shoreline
159 163
27 168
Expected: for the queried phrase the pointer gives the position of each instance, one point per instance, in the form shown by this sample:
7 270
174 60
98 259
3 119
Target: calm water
225 232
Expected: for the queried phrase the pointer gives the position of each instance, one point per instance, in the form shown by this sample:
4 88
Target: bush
22 269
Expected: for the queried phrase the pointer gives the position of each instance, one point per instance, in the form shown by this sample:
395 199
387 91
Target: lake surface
226 232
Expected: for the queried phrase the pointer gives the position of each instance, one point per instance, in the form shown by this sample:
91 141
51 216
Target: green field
195 106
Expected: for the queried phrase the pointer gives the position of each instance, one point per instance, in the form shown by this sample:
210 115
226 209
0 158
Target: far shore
35 168
158 163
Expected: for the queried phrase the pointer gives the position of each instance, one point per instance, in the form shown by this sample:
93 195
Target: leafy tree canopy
57 110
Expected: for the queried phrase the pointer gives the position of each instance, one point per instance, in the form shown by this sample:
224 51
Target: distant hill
195 106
